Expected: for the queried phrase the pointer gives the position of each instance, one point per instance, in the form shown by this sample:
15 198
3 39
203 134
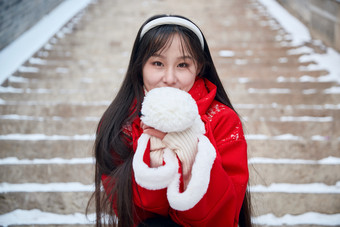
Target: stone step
294 204
60 126
46 149
255 51
54 109
47 173
236 97
88 83
53 202
264 174
67 149
303 129
250 61
277 111
300 149
294 87
265 73
263 203
284 99
85 83
75 225
81 96
236 71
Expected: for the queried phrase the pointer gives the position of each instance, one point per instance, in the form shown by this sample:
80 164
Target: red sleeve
153 201
147 202
221 204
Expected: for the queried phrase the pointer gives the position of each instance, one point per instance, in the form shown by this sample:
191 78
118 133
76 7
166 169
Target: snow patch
269 91
309 218
306 119
284 137
326 161
226 53
332 90
39 137
49 187
298 31
38 217
73 161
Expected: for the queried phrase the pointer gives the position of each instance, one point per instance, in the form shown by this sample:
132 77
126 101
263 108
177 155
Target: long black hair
111 149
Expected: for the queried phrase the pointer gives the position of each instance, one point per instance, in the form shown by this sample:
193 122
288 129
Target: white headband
175 21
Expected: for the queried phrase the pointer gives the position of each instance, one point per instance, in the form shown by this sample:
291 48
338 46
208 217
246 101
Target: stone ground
50 109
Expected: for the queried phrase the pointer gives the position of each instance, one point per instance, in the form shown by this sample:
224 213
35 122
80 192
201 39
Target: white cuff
153 178
200 178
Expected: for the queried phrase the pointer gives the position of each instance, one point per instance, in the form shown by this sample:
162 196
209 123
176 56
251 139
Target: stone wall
321 17
16 16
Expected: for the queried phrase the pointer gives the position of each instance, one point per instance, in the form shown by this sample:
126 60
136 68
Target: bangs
158 39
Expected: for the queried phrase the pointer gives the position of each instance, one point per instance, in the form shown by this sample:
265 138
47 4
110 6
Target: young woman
170 51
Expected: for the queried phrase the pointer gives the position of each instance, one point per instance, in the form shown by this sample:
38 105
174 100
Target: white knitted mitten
156 152
184 144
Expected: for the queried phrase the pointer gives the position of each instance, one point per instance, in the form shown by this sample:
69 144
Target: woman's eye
157 63
183 65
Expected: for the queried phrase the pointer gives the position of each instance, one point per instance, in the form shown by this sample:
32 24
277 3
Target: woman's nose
170 77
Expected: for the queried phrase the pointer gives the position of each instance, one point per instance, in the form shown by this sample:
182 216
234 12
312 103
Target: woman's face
170 68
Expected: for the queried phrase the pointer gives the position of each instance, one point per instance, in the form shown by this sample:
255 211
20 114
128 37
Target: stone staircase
50 108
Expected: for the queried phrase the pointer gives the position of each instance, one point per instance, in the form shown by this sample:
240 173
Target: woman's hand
152 131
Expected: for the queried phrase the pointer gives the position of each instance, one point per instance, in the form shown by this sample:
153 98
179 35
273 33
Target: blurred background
62 62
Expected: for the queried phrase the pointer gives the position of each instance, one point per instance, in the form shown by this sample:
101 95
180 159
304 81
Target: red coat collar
204 92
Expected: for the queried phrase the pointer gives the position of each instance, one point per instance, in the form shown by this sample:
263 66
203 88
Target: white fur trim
153 178
200 178
169 109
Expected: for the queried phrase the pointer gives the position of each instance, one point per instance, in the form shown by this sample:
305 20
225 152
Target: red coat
221 204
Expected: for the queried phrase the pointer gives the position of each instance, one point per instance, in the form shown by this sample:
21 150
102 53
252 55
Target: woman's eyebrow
181 57
185 57
158 55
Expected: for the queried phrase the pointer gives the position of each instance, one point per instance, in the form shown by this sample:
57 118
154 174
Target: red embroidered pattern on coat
237 133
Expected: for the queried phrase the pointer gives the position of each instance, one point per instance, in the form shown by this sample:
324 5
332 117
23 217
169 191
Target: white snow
305 119
274 105
16 161
288 137
241 61
226 53
243 80
54 118
21 117
49 187
332 90
319 138
269 91
309 91
328 61
28 69
317 188
300 50
326 161
279 137
54 103
17 79
298 31
37 36
300 35
10 90
310 218
38 217
37 61
38 137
